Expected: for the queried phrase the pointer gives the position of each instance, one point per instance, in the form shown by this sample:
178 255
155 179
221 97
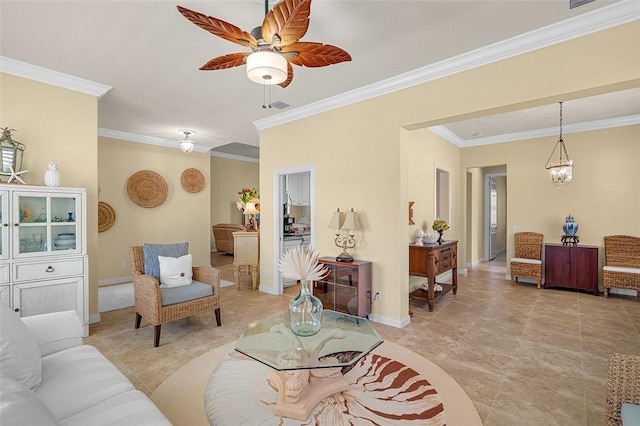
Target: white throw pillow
175 271
20 356
21 407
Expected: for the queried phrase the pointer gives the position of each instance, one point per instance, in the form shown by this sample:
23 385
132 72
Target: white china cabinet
43 250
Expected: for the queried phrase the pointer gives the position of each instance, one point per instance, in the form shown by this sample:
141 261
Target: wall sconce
348 222
251 210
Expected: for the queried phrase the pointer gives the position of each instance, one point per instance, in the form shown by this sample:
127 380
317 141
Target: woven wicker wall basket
192 180
147 189
106 216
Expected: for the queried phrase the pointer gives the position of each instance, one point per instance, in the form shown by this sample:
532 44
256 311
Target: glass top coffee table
307 369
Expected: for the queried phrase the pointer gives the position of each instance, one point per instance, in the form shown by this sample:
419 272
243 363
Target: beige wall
184 216
601 202
57 125
475 218
227 178
361 152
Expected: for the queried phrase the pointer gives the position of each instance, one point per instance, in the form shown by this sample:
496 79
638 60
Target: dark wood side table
430 261
571 266
347 287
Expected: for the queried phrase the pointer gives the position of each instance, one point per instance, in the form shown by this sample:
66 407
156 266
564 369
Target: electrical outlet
123 264
515 229
377 296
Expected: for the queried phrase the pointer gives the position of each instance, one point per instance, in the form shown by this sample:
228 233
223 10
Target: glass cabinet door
4 225
44 223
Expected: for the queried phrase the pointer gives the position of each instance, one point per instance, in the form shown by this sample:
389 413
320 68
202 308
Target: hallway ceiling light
186 144
561 171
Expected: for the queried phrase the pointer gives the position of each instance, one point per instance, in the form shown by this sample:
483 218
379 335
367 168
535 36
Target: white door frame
278 202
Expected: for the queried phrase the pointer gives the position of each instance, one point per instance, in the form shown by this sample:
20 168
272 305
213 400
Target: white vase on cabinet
52 175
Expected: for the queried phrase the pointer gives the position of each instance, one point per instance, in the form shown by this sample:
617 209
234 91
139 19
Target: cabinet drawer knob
5 224
17 310
49 269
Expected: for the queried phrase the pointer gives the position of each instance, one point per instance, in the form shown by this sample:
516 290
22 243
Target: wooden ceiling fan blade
310 54
289 20
289 76
227 61
218 27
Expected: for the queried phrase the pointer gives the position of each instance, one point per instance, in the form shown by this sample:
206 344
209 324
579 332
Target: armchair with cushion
159 304
223 235
527 261
623 390
622 263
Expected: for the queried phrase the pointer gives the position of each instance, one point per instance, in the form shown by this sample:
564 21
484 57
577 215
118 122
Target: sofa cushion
195 290
20 356
630 414
524 260
20 406
152 251
131 408
175 271
78 378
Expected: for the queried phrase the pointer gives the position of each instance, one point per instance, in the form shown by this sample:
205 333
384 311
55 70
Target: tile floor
524 356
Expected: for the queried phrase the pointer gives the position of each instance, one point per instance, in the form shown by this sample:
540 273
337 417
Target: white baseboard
112 281
389 321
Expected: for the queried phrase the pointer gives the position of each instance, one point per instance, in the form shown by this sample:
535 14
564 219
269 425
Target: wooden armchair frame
148 298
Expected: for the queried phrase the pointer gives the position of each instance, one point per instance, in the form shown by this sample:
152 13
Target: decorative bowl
430 238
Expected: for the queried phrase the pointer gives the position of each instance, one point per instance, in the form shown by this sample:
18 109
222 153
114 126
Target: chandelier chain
560 142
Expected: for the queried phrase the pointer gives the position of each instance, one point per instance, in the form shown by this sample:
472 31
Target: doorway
495 212
292 199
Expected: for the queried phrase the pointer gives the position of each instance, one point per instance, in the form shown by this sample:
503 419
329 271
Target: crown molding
149 140
597 20
55 78
234 157
445 133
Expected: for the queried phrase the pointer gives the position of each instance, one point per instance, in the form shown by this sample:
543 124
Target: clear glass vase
305 311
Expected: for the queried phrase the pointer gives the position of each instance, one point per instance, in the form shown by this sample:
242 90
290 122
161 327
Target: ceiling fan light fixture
266 68
186 144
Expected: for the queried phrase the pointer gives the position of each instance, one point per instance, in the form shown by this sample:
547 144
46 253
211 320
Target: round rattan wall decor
106 216
192 180
147 189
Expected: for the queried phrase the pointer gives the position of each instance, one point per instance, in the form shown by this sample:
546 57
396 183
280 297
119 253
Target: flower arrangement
439 225
248 196
299 263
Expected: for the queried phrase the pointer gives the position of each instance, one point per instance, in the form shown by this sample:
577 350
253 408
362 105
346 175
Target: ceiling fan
274 46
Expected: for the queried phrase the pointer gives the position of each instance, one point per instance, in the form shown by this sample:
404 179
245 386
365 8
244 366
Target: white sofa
48 377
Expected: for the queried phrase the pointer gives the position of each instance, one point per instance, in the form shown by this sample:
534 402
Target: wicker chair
623 385
528 257
622 263
148 298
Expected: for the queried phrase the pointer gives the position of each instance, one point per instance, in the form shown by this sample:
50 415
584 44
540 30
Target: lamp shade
250 208
266 68
351 221
337 218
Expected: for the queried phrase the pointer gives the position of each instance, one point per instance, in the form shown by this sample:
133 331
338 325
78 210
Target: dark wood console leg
431 305
218 320
156 335
138 320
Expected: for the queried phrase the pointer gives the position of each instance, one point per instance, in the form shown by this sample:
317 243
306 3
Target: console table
246 252
431 260
573 267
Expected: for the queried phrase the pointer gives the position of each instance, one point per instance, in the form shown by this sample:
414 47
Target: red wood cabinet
347 287
571 267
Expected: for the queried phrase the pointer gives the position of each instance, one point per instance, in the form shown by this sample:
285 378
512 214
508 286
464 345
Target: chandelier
561 171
